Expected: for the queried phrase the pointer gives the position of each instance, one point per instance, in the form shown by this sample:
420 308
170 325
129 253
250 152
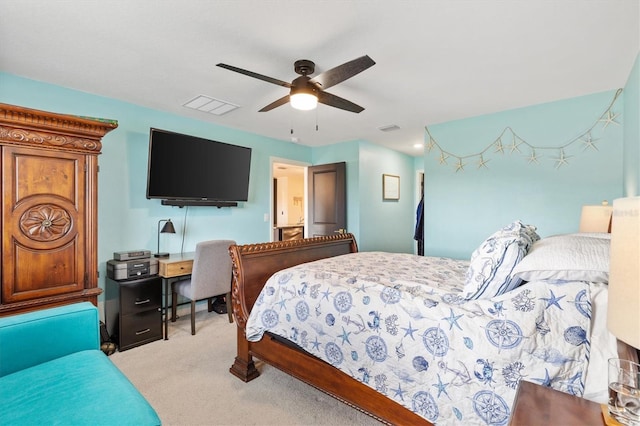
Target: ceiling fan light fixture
306 92
303 101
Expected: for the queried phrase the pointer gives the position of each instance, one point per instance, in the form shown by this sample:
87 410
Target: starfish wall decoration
586 138
562 159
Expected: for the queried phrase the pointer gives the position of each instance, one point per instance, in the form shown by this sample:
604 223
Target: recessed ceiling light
211 105
418 145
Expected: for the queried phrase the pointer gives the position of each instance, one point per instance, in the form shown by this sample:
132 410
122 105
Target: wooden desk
174 268
539 405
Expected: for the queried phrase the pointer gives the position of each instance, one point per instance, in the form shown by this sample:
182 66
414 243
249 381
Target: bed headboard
253 264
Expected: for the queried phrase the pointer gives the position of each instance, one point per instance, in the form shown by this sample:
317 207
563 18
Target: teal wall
378 225
386 225
347 152
631 165
127 220
461 208
464 207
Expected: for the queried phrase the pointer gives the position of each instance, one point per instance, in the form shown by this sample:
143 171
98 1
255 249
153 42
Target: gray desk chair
210 277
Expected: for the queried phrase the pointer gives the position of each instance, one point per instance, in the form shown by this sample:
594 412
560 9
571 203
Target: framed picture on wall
390 187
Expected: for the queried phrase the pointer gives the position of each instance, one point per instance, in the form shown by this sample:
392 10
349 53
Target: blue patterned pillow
491 266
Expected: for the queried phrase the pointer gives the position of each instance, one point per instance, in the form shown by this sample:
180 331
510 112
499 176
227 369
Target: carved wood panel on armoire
49 172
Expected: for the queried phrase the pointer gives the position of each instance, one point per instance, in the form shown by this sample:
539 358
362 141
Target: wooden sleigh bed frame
252 266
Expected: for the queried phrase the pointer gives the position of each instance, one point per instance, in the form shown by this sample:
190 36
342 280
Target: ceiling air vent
211 105
389 128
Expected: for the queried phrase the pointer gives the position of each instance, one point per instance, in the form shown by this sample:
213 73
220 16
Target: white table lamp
596 218
623 313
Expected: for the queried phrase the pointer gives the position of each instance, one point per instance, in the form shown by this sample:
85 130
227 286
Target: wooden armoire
49 172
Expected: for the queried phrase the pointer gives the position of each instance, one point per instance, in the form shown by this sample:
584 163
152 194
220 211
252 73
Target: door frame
269 216
419 192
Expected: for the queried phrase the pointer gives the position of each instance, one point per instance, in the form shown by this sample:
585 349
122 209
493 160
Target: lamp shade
166 229
596 218
623 312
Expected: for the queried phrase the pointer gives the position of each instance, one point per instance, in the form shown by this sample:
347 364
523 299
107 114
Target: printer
132 265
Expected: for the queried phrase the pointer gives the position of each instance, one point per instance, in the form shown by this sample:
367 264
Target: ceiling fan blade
283 100
342 72
338 102
255 75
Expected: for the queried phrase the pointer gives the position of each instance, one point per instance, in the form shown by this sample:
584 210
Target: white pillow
605 235
570 257
490 269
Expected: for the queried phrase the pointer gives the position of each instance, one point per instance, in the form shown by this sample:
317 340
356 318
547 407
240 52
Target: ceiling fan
305 91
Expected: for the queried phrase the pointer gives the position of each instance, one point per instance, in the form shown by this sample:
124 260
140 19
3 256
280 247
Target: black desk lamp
166 229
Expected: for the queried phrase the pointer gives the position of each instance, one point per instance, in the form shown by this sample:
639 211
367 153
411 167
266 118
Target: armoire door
43 222
49 172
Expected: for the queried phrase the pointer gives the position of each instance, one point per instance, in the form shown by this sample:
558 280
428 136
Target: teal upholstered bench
52 372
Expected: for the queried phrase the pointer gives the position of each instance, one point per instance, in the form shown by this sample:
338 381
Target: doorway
306 200
288 200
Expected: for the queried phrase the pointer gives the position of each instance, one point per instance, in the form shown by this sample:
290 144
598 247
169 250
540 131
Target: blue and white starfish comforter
398 323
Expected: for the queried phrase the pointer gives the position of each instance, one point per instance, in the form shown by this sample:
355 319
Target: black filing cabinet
133 311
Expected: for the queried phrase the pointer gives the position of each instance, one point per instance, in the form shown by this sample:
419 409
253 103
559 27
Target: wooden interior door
43 243
327 192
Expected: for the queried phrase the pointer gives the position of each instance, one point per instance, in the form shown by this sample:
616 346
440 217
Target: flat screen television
187 170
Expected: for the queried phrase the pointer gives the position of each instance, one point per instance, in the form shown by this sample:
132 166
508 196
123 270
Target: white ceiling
436 60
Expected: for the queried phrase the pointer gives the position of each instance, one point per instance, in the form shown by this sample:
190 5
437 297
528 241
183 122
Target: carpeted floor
187 380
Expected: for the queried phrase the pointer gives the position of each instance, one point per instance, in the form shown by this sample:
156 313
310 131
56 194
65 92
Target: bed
427 340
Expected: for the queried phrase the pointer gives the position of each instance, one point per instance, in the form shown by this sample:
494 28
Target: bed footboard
253 264
252 267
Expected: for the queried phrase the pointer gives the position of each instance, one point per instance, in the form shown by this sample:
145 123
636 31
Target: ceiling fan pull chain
291 124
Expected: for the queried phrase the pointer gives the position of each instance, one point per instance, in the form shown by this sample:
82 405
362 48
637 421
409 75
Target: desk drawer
140 328
140 295
175 269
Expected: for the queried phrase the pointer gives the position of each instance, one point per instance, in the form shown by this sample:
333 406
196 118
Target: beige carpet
187 380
